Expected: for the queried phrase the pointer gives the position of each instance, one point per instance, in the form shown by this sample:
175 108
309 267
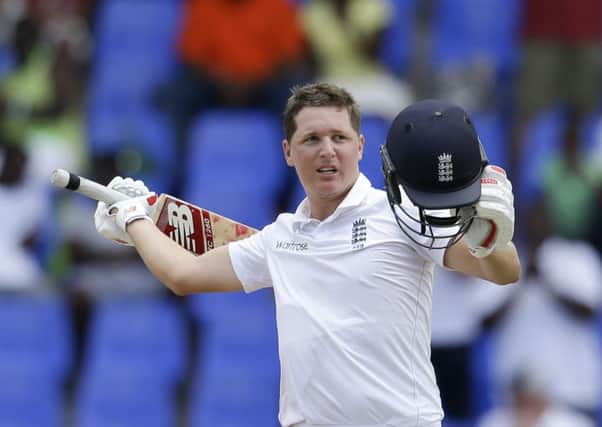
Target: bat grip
70 181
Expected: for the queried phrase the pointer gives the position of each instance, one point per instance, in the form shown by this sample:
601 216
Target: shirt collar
356 195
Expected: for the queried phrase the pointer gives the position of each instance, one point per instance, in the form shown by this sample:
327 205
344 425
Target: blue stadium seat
134 53
249 316
237 367
36 352
143 131
237 382
469 30
297 195
136 354
398 39
103 403
127 80
235 165
248 345
35 338
136 338
375 131
7 60
232 398
27 402
133 25
541 141
592 131
491 130
482 373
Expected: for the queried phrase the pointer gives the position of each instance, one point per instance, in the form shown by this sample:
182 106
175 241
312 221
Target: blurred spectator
346 38
27 88
233 53
24 207
41 124
455 327
550 324
530 406
10 13
42 99
571 184
560 60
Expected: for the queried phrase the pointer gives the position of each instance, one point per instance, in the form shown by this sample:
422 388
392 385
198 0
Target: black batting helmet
433 154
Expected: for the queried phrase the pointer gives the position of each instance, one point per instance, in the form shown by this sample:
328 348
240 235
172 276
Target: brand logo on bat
180 218
208 229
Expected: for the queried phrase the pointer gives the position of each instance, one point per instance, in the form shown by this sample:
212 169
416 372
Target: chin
330 189
330 192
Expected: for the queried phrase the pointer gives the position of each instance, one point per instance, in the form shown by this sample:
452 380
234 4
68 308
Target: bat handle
70 181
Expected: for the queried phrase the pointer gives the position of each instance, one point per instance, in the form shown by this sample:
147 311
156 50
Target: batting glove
493 224
111 221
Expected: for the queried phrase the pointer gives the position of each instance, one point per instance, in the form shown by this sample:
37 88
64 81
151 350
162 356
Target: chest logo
358 233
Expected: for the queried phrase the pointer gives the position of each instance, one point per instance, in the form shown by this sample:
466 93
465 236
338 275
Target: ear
362 142
286 148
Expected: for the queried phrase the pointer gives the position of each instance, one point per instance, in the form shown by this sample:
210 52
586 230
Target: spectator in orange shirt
234 53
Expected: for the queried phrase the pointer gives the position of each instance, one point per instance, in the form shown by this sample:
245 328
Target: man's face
325 150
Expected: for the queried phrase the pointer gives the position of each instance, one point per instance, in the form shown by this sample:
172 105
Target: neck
322 209
321 206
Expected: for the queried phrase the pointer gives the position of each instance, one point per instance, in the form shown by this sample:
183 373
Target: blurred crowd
187 95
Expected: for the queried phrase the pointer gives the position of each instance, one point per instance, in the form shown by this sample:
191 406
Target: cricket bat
195 229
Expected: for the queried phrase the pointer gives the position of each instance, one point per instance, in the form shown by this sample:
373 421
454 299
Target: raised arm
182 271
128 222
501 266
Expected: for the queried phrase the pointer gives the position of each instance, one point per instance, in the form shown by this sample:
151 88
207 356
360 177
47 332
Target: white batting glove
111 221
129 187
493 224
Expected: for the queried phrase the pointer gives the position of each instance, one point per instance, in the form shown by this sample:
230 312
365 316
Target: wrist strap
136 218
128 213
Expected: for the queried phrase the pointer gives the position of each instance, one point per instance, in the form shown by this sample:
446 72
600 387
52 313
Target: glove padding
111 221
493 224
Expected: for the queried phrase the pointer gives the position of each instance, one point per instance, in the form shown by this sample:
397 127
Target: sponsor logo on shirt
359 233
292 246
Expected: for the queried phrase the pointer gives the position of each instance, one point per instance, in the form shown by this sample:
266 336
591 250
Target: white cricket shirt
353 307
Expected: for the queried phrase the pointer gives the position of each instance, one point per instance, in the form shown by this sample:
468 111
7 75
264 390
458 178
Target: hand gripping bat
195 229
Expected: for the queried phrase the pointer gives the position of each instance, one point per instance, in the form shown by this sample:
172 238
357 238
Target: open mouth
327 171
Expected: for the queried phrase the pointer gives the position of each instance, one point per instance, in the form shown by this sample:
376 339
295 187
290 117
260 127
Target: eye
311 139
339 138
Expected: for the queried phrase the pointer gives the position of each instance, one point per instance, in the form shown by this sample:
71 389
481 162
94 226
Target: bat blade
196 229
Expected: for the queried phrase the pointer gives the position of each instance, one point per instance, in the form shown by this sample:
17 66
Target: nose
327 149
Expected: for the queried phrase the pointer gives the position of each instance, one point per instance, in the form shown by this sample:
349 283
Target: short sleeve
249 260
